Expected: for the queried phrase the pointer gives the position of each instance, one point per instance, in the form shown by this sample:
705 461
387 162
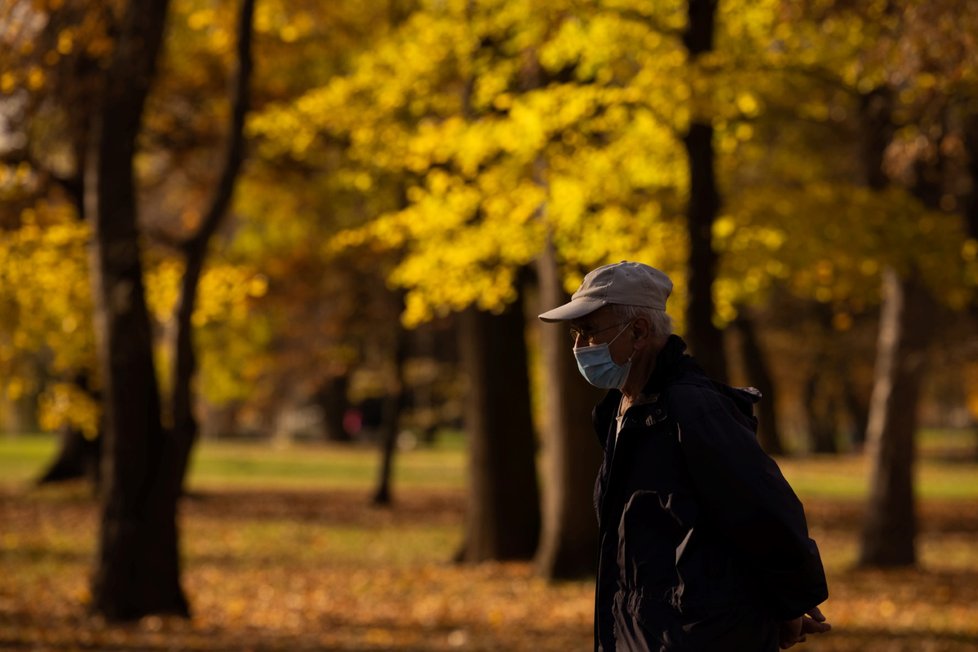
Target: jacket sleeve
749 501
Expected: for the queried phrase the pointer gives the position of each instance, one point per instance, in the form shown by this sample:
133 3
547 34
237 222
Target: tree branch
71 185
234 155
184 424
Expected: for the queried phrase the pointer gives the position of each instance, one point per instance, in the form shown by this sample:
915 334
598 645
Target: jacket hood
673 362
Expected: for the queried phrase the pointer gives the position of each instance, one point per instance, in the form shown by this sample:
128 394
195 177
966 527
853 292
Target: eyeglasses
586 336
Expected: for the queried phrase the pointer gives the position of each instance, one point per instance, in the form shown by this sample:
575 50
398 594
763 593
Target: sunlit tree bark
907 324
890 529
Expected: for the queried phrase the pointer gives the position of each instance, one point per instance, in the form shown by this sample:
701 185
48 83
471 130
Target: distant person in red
704 547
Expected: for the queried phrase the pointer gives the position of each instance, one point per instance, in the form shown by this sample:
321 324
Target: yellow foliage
504 125
8 81
223 292
63 404
499 168
46 304
201 19
44 281
66 41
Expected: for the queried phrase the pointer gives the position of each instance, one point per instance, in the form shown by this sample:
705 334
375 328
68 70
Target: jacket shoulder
696 398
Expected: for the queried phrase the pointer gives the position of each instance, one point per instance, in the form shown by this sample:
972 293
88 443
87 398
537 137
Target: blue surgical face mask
597 366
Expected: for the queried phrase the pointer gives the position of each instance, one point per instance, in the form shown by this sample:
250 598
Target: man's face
599 327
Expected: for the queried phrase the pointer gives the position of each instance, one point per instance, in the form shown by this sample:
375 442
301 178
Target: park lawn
946 469
277 556
301 465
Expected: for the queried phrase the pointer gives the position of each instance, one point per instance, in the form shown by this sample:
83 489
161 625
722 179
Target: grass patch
323 466
848 477
23 457
259 464
946 468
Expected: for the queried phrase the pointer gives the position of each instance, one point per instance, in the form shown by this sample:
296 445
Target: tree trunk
137 570
907 319
705 339
569 540
503 519
759 375
857 407
970 205
332 400
77 457
390 418
184 422
905 331
389 429
821 412
823 404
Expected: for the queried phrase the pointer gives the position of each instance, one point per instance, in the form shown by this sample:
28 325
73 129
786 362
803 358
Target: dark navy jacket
704 546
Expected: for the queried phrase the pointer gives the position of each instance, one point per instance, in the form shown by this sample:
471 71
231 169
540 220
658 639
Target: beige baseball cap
626 283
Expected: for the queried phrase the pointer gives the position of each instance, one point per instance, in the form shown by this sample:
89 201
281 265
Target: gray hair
659 321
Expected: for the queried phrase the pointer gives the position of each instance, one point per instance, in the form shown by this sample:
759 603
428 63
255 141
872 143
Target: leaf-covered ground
321 570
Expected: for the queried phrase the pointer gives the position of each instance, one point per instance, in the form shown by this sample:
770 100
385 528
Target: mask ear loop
610 342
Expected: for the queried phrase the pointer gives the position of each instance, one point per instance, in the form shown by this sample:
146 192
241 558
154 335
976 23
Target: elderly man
704 546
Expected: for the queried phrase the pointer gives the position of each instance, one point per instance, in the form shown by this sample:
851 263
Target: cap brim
573 310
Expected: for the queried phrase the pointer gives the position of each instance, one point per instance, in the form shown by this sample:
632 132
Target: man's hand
794 631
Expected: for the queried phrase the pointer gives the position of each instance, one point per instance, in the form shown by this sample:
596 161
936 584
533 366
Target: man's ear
642 332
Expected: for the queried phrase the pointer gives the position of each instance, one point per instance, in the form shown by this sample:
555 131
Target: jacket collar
669 364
